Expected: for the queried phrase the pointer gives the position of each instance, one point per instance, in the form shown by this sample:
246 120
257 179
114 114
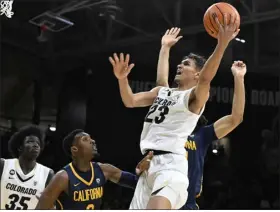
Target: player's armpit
198 97
162 84
225 125
57 185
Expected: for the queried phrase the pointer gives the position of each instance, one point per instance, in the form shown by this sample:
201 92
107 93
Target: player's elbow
203 86
131 103
237 119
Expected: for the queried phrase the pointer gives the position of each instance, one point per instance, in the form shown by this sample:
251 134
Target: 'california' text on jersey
85 189
168 122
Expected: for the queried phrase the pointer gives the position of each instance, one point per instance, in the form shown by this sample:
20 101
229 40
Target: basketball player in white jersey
172 117
22 178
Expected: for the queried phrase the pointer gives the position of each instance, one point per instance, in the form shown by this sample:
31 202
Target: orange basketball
219 8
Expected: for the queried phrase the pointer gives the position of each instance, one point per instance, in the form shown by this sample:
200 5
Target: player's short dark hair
17 138
68 141
202 121
198 59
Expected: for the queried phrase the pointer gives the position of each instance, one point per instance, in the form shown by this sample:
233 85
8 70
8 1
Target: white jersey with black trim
169 122
20 191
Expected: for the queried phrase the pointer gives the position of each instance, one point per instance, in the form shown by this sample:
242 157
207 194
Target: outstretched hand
227 31
238 68
121 66
171 37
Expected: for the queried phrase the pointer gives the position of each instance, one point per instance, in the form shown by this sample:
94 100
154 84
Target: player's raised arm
169 39
228 123
58 184
201 93
122 68
123 178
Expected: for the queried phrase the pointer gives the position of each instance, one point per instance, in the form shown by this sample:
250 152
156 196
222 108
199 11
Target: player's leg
171 196
159 202
169 191
142 193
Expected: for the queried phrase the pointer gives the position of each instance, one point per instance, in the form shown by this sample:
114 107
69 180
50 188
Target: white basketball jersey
20 191
168 122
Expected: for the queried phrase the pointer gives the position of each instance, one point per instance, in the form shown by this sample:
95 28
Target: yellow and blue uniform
196 146
85 189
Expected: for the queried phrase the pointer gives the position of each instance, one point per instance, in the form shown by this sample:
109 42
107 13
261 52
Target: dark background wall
64 79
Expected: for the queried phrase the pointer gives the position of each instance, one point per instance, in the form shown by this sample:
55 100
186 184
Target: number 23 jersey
168 122
20 191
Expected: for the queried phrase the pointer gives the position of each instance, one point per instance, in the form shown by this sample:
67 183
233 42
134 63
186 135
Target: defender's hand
144 164
238 69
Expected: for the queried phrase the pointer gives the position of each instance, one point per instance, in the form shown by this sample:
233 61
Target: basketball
219 8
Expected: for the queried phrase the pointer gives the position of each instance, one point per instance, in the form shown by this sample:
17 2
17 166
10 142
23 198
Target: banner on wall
224 95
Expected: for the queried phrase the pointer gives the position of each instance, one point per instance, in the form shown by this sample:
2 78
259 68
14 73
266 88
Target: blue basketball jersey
196 146
85 189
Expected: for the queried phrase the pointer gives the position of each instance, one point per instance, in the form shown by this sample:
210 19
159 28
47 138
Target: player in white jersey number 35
22 178
172 117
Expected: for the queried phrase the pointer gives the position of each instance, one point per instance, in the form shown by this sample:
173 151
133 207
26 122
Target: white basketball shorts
167 177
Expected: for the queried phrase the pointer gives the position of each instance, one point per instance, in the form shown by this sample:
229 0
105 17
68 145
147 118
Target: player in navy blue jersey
198 143
203 135
79 185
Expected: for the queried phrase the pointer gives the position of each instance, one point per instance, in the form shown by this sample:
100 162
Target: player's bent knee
158 202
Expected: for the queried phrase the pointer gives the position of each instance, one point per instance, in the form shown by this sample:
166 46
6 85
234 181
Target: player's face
186 71
31 147
87 146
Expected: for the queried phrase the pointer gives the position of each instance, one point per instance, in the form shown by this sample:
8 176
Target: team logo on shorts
98 180
35 183
12 172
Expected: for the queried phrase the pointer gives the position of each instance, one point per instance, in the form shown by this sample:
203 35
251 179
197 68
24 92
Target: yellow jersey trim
82 179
